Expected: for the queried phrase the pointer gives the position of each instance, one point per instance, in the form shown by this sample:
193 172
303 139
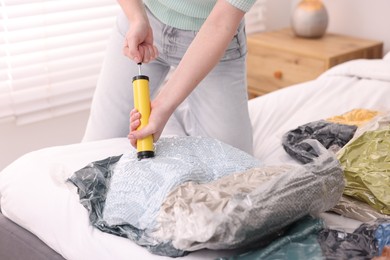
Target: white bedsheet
34 195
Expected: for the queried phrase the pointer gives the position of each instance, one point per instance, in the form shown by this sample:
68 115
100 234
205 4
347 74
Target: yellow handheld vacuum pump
145 146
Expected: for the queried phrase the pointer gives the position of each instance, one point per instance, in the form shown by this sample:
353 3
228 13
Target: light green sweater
189 14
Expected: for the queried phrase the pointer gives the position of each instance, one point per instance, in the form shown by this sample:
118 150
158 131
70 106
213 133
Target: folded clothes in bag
363 153
200 193
332 136
310 238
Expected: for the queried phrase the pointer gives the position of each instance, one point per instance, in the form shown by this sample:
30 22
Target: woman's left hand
159 116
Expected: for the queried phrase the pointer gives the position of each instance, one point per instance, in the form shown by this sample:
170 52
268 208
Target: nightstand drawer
271 69
277 59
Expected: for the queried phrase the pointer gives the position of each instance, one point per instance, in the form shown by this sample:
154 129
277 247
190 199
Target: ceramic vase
309 19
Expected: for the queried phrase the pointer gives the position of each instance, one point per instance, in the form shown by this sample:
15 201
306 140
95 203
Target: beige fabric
356 117
192 200
354 209
239 209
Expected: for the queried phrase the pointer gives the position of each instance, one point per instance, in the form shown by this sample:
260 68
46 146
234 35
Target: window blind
50 55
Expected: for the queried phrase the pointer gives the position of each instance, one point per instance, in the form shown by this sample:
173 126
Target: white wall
18 140
277 14
368 19
359 18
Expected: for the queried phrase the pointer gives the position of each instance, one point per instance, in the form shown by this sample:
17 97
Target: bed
42 218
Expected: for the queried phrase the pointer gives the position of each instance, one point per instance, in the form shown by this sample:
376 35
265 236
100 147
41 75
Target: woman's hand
159 116
138 44
134 124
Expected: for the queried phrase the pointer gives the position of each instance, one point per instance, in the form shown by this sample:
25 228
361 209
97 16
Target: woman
204 41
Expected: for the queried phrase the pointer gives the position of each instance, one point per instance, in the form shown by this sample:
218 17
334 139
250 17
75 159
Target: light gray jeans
217 107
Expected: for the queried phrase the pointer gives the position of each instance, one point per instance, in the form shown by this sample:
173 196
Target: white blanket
33 192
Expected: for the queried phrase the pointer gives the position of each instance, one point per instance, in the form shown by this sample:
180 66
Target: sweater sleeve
243 5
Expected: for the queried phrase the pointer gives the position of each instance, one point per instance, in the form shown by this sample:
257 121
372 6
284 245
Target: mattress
17 243
46 210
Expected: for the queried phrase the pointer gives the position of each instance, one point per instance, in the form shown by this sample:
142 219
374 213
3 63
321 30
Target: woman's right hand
138 44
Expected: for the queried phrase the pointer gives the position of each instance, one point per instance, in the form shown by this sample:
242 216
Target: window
50 55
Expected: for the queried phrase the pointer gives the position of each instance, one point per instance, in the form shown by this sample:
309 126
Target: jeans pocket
237 47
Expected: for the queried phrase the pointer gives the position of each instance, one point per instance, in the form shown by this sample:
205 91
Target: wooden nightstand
277 59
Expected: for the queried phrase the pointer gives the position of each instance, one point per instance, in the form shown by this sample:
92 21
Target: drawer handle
278 74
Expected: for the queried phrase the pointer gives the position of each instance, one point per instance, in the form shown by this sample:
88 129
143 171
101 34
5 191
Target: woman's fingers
146 54
132 140
155 52
142 53
134 120
133 111
134 125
